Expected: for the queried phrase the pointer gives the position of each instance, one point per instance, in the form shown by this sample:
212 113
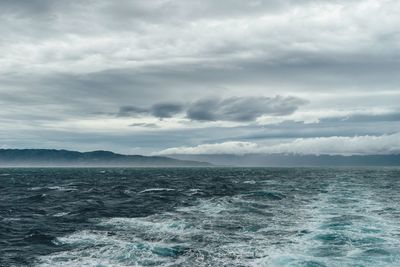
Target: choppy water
200 217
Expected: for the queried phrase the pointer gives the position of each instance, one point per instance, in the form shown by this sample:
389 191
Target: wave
57 188
215 232
155 190
342 223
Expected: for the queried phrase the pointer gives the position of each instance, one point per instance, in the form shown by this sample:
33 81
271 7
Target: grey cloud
159 110
363 118
26 7
166 110
202 110
63 61
127 111
242 108
154 138
152 11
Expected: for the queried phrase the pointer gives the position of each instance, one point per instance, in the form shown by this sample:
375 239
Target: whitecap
194 191
156 190
100 248
243 231
60 214
35 188
249 182
61 188
10 219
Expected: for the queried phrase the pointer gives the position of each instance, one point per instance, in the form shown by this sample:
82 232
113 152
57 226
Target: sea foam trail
346 228
226 231
161 240
346 221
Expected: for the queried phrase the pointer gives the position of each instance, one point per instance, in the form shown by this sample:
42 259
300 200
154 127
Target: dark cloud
242 109
159 110
203 110
128 111
165 110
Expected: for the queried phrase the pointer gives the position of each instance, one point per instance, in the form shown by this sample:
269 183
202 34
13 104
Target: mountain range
66 158
100 158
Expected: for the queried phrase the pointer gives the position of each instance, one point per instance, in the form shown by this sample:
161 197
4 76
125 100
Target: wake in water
246 217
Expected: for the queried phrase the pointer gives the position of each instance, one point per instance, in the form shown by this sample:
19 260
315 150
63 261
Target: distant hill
293 160
50 158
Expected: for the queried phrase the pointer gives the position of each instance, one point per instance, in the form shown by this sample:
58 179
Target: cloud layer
242 108
159 110
237 109
101 74
335 145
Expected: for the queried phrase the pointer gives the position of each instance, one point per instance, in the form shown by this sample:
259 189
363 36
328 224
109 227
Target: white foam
324 218
194 191
35 188
58 188
60 214
62 188
102 249
11 219
156 190
242 231
134 241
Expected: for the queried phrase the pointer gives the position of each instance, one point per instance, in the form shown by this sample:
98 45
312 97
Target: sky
201 77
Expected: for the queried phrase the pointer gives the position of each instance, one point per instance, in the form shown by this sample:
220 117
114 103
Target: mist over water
200 217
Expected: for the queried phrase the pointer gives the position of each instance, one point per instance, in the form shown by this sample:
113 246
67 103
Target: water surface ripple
200 217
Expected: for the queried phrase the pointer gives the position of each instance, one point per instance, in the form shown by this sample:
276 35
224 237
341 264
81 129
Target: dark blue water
200 217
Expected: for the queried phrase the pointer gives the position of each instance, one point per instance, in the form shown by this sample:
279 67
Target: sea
310 217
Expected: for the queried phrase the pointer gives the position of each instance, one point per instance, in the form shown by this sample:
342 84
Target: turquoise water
200 217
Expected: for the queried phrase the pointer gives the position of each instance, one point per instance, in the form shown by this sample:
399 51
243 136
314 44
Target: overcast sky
180 76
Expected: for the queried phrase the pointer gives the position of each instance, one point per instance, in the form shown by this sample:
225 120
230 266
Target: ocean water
200 217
